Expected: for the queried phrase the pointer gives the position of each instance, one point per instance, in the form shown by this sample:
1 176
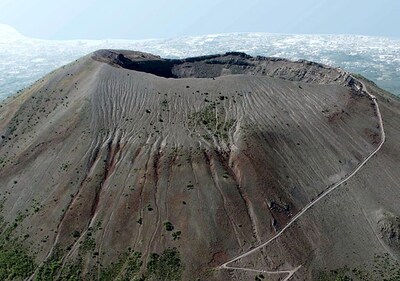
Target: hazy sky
140 19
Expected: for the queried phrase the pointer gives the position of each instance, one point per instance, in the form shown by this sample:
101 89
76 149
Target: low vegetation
212 119
15 261
88 245
167 266
50 268
384 268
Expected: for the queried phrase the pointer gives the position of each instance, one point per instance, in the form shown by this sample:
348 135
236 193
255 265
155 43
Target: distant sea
23 60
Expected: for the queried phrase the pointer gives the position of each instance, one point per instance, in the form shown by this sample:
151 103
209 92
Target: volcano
126 166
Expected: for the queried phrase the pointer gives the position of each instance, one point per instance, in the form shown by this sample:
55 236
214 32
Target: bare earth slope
125 165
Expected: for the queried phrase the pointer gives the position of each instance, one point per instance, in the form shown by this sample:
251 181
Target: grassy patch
17 264
15 261
114 269
88 245
50 268
384 268
335 275
133 266
127 268
167 266
72 271
212 119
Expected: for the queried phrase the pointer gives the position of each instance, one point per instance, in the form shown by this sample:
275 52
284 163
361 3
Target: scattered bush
168 226
176 235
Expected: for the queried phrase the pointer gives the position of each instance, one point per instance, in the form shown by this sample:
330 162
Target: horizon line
201 35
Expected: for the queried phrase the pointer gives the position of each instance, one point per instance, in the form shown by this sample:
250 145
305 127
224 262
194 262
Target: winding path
312 203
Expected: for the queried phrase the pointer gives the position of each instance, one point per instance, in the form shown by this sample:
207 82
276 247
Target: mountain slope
121 155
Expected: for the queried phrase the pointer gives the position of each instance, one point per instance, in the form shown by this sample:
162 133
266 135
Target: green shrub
168 226
176 235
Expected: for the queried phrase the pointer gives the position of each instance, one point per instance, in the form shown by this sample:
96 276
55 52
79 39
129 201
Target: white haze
24 60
